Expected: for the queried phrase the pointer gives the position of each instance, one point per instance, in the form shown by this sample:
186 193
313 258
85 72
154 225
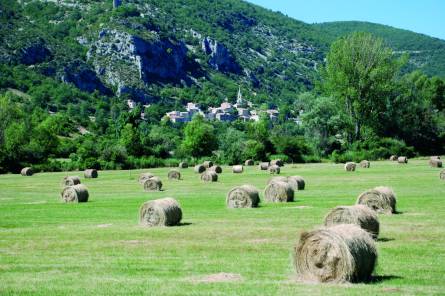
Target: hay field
98 248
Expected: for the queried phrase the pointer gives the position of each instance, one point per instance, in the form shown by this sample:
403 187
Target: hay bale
338 254
27 171
145 176
245 196
174 175
365 164
209 176
216 168
390 195
277 179
393 158
183 165
237 169
263 166
76 193
380 199
160 212
402 159
249 162
274 169
152 184
350 166
442 175
279 192
199 168
359 215
277 162
90 173
435 163
296 182
207 164
70 181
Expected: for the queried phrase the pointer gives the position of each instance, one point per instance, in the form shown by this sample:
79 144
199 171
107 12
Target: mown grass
97 248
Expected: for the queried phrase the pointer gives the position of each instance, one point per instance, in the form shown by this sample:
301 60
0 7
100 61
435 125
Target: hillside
172 49
192 50
426 53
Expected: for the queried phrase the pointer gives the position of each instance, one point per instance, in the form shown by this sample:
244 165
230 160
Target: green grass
51 248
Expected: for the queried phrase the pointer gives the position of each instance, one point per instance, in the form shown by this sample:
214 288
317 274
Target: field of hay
97 248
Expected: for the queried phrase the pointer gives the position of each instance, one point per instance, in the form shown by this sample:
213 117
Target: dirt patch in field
259 241
35 202
221 277
391 290
104 225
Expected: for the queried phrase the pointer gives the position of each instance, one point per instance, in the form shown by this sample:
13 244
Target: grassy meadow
97 248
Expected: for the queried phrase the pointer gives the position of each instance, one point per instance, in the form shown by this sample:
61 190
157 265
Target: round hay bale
153 184
76 193
237 169
378 200
274 169
435 163
365 164
359 215
160 212
145 176
338 254
442 175
393 158
207 164
216 168
245 196
249 162
277 179
277 162
199 168
27 171
174 175
183 165
350 166
70 181
390 195
209 176
263 166
279 192
90 173
296 182
402 160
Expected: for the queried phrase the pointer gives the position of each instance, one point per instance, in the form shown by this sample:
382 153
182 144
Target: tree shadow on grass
382 278
385 239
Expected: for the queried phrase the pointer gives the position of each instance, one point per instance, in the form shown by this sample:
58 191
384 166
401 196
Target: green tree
359 73
199 138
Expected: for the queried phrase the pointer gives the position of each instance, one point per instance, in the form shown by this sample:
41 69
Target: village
242 110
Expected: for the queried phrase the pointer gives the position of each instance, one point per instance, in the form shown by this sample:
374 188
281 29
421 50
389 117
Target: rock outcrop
130 62
220 57
84 78
119 57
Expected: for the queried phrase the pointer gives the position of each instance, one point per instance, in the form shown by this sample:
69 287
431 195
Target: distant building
131 104
243 112
225 117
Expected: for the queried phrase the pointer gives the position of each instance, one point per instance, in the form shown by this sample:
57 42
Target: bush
373 149
50 165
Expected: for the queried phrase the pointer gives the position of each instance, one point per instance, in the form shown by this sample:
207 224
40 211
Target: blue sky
422 16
